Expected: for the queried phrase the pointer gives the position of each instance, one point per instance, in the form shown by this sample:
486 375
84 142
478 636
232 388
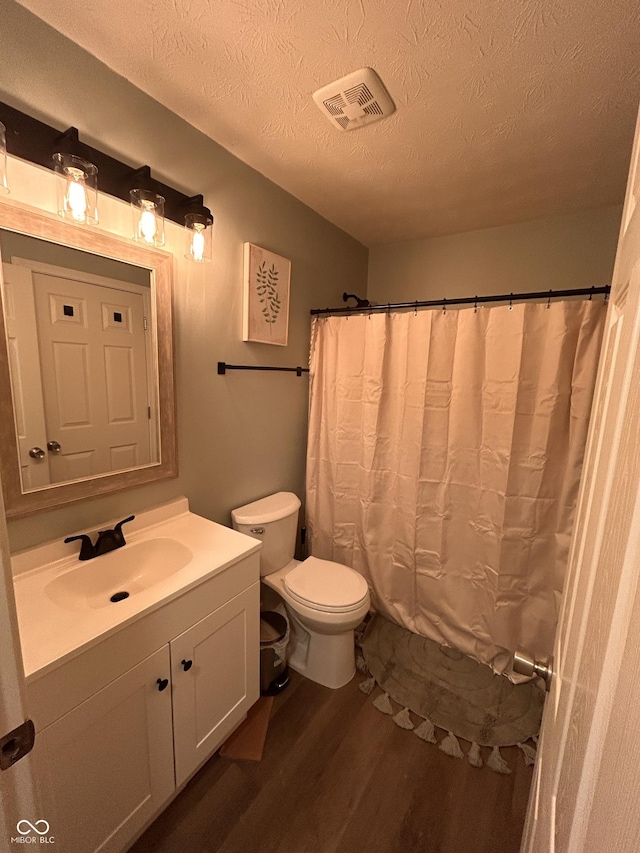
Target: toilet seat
326 586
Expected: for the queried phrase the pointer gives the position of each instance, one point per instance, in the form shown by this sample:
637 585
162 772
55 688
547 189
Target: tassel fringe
367 686
383 704
529 753
496 762
426 731
473 756
450 746
361 665
403 719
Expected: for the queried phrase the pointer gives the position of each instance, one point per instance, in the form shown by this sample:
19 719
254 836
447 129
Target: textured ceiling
507 110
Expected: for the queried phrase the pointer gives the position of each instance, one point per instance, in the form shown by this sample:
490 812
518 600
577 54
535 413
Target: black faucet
108 540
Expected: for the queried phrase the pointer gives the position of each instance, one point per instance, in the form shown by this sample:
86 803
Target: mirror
86 367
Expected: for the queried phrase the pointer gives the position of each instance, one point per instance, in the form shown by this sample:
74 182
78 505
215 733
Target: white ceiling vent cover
355 100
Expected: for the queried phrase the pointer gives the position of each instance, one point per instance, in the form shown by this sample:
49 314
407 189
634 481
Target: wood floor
337 776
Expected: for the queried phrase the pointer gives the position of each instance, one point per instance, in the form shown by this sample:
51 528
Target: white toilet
325 601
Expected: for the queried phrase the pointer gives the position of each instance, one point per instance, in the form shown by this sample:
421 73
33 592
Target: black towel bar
223 367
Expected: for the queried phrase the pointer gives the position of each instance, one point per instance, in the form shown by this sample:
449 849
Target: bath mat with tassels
448 690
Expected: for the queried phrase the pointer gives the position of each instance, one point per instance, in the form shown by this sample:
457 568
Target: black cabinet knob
162 683
186 664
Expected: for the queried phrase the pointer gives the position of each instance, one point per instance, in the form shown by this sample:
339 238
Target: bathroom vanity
130 697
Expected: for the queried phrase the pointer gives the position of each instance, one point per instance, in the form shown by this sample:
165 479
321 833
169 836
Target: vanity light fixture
198 223
77 181
147 209
77 165
4 186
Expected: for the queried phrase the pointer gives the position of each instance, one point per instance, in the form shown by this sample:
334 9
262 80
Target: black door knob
186 664
162 683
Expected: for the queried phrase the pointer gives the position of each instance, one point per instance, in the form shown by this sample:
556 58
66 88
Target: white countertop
51 634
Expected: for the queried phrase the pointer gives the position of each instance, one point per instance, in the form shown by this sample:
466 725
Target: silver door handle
53 447
524 664
36 453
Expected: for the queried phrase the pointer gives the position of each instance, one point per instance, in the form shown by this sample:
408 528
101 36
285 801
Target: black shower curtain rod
466 300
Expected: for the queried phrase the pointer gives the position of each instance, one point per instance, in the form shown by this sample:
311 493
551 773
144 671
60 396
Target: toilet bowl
322 646
324 600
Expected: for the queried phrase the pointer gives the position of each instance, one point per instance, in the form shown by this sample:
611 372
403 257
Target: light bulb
148 226
76 196
197 224
77 188
147 209
197 243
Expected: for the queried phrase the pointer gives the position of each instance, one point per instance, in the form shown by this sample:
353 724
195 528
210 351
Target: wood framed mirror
87 402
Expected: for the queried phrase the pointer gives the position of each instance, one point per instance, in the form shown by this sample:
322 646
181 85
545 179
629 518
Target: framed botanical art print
265 318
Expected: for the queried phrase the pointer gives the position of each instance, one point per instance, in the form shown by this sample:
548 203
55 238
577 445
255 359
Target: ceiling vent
355 100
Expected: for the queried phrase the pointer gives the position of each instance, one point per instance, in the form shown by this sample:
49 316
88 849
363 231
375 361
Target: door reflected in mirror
83 376
86 363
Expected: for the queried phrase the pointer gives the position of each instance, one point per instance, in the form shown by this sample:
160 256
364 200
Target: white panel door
26 382
601 591
215 674
107 766
94 376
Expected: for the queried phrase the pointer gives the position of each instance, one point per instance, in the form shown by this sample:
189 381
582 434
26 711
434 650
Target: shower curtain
444 459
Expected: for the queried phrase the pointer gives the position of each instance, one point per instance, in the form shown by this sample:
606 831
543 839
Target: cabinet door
215 672
108 764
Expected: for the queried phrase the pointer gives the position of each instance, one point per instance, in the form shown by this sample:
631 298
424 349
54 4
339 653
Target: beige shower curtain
443 464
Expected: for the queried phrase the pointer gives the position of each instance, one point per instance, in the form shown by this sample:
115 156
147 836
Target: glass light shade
4 186
77 188
147 209
199 232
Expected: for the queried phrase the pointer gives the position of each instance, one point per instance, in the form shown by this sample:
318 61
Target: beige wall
560 252
243 435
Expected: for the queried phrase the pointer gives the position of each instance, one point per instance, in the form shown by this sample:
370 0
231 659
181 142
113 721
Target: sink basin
114 577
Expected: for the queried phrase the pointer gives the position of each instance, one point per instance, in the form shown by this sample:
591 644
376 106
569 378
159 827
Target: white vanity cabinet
106 767
214 669
113 743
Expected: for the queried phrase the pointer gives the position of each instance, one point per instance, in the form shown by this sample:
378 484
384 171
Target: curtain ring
549 300
444 306
415 309
475 305
591 294
606 297
511 302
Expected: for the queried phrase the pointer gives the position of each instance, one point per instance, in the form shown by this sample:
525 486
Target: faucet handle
87 551
118 528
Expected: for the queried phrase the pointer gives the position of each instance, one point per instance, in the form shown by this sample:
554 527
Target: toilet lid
324 585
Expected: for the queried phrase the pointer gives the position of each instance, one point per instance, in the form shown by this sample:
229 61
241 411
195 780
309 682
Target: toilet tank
274 521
